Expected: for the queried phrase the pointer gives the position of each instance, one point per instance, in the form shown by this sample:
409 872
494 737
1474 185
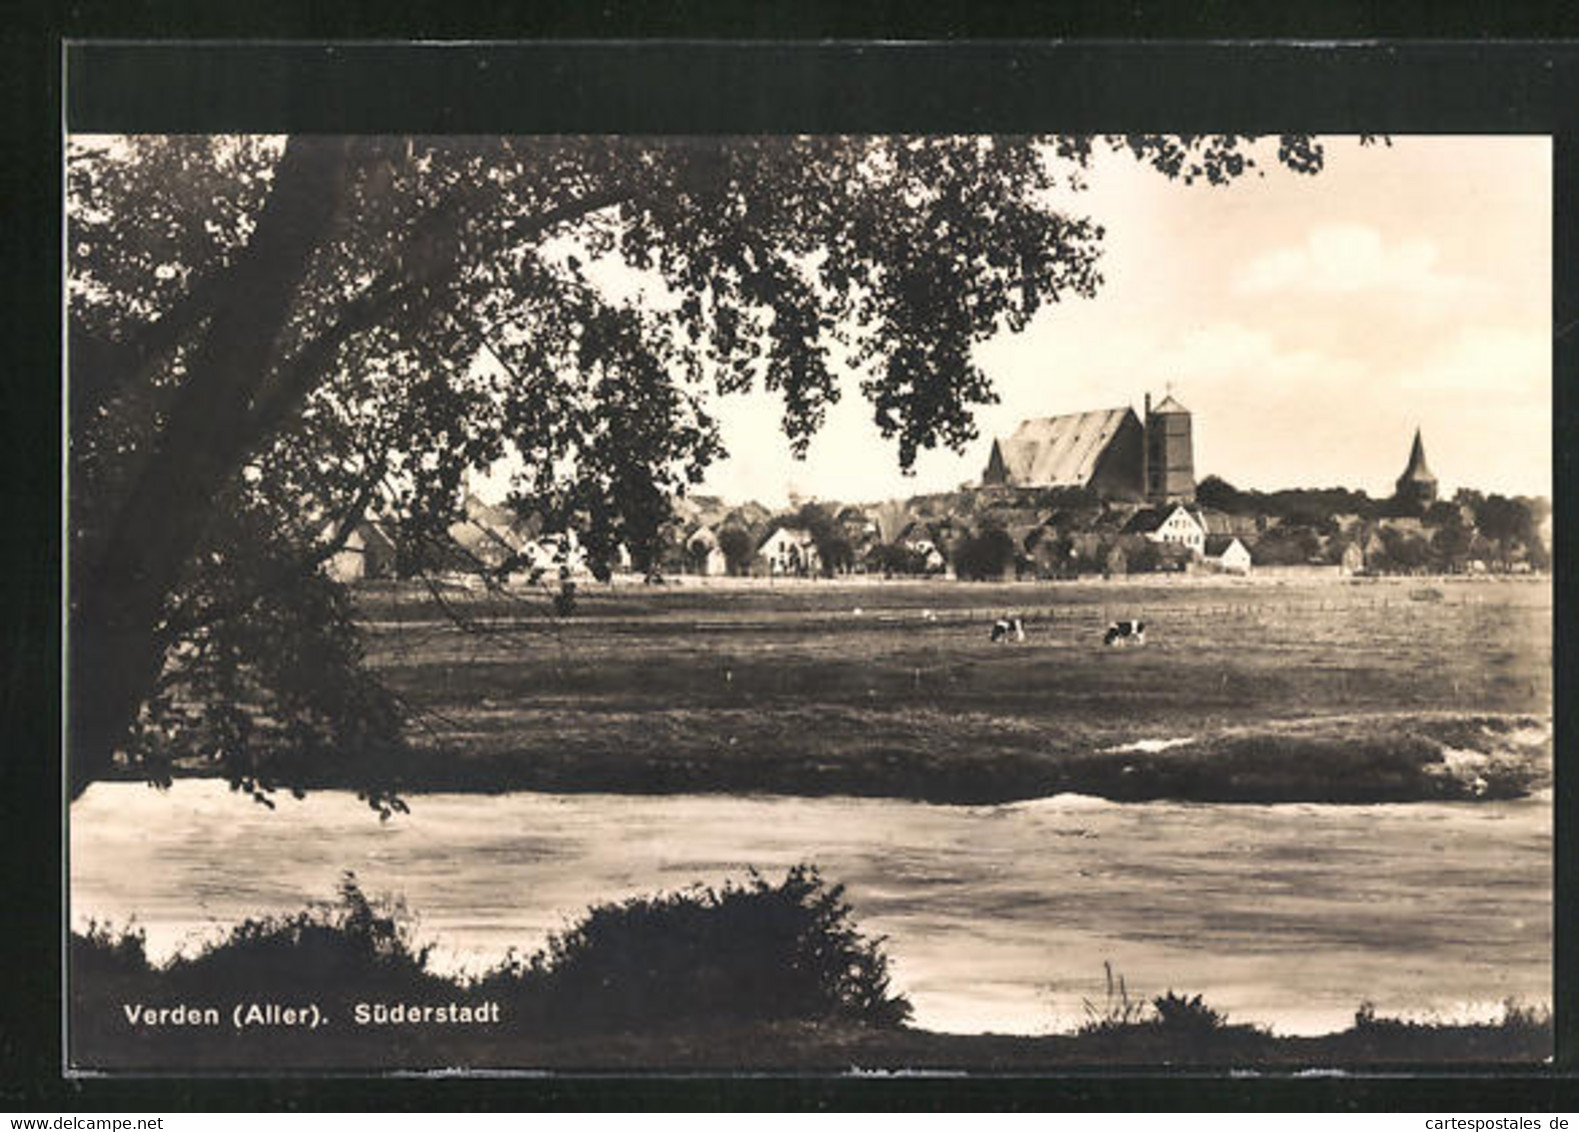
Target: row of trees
1515 519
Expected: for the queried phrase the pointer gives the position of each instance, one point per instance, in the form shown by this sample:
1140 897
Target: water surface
998 917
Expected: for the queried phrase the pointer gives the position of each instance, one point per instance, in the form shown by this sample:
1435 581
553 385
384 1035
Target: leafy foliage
269 338
739 548
1186 1015
983 554
101 952
897 558
708 957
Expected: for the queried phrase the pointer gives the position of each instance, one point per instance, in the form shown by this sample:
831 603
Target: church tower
1169 457
1417 484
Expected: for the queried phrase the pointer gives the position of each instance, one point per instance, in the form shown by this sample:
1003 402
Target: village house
789 551
1172 526
1226 554
928 540
367 553
703 555
860 531
486 538
1372 550
1243 527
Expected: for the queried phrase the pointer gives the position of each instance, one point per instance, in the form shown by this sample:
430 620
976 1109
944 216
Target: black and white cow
1125 632
1004 626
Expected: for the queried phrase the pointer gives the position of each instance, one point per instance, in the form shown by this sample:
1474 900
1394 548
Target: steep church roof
1059 451
1417 469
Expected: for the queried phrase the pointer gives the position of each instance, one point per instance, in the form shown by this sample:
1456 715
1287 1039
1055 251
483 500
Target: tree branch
381 297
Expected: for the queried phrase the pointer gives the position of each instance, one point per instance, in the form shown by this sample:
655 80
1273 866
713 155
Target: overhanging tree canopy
268 336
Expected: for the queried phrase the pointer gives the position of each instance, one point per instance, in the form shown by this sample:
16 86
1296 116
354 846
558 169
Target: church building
1111 451
1417 484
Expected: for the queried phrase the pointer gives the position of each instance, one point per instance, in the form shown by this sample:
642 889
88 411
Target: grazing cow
1124 632
1002 627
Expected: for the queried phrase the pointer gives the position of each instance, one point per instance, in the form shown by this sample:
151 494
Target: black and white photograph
803 602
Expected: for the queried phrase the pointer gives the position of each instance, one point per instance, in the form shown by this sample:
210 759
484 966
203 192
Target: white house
1226 553
790 550
556 552
1175 526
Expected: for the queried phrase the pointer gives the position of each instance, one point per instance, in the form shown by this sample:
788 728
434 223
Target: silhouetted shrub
1520 1025
748 952
349 947
1186 1016
101 951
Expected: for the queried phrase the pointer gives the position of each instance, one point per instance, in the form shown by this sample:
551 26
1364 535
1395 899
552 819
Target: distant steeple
1417 467
1417 482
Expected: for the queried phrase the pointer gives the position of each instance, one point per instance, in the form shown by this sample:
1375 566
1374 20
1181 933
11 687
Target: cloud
1487 359
1232 356
1350 259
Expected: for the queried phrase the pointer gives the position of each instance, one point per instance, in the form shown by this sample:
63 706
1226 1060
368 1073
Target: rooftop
1060 451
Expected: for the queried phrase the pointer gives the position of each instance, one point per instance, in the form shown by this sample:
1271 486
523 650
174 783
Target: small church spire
1417 465
1417 483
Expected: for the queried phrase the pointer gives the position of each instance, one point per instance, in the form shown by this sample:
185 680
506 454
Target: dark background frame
778 81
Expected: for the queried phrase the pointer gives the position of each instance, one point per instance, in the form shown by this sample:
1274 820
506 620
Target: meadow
1261 690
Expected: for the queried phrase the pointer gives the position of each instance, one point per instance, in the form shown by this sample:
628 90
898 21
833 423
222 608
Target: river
998 918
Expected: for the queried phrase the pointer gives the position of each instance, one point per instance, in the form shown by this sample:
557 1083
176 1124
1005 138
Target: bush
752 952
987 554
1520 1023
896 558
102 952
1183 1016
349 947
1168 1015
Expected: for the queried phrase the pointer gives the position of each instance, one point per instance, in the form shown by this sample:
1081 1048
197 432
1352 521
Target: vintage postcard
986 601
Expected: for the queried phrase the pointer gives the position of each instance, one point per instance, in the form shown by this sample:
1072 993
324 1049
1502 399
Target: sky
1309 324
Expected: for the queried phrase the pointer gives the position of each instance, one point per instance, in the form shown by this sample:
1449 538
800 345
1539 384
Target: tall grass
1173 1015
353 946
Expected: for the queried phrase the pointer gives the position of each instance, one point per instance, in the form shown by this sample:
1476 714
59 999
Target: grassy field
1325 690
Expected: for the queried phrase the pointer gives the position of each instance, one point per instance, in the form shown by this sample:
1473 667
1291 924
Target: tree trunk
115 649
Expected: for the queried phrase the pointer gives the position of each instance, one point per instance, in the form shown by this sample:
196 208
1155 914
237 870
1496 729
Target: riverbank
932 755
1299 692
756 975
998 918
